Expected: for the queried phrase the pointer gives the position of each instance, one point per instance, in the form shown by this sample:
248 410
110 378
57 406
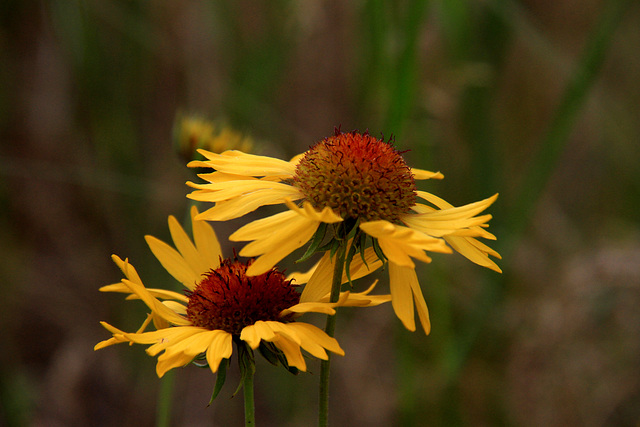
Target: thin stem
325 365
249 407
163 415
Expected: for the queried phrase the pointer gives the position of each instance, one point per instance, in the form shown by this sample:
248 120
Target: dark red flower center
357 176
228 299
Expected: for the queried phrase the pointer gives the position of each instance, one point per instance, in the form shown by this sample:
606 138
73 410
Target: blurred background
536 100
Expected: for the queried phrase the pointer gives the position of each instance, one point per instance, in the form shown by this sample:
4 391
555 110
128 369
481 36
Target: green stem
325 365
249 407
163 415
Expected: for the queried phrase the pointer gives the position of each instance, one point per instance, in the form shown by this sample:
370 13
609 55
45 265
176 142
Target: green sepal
354 229
352 251
268 353
247 362
316 240
363 244
276 357
378 250
221 377
335 244
200 361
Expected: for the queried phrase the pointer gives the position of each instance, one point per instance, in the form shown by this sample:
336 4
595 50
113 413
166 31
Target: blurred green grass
536 101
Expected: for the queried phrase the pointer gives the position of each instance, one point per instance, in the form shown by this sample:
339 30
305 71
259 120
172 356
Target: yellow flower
351 179
191 132
222 304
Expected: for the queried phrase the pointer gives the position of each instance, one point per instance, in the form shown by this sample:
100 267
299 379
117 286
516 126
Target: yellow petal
221 348
127 269
216 176
421 304
186 248
474 251
362 299
319 283
308 211
405 291
274 238
118 337
308 342
302 277
163 338
177 307
155 305
292 352
231 209
279 329
173 262
115 287
401 295
313 337
400 243
221 191
309 307
424 174
239 163
260 330
206 241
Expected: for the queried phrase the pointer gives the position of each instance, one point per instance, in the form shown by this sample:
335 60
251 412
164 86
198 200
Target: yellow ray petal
319 285
308 211
301 278
155 305
161 294
424 174
320 282
309 307
173 262
177 307
401 295
421 304
311 335
235 208
186 247
443 204
474 251
280 329
221 191
127 269
115 287
260 330
400 243
206 241
221 348
292 352
239 163
275 238
307 342
217 176
118 337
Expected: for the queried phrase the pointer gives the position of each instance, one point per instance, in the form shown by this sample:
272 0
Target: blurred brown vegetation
88 95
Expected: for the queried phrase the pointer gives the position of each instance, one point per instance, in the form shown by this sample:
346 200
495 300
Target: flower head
363 187
222 304
191 132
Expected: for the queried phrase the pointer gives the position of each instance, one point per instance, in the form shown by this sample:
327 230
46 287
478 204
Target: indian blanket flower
352 180
191 132
222 304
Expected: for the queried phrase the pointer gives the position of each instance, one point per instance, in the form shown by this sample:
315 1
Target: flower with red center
222 304
362 186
